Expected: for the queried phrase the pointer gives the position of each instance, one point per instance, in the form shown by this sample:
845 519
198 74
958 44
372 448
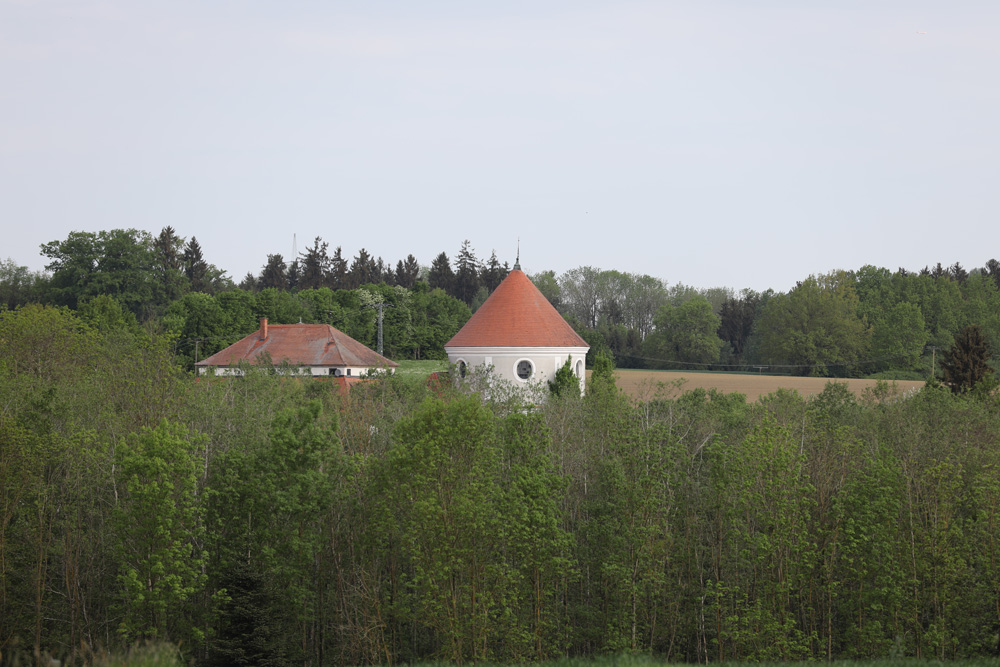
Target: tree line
868 322
267 520
865 323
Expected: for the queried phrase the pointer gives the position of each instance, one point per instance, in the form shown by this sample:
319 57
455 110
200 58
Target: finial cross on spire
517 262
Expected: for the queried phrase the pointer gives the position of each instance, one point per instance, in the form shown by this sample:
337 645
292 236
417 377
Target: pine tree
195 266
466 274
493 273
967 363
364 270
993 271
441 275
565 382
274 273
957 272
249 283
407 272
338 270
315 265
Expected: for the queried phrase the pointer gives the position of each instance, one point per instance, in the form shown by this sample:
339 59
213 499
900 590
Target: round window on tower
524 369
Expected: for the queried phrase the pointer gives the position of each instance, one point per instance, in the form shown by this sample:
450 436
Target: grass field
420 368
644 384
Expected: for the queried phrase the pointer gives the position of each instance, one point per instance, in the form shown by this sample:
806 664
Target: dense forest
268 520
868 322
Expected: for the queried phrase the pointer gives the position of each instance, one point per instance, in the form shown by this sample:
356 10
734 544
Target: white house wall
545 361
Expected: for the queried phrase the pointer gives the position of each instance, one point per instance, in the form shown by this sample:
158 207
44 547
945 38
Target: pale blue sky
714 143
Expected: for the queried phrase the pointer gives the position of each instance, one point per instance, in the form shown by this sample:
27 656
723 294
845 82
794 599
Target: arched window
462 368
579 368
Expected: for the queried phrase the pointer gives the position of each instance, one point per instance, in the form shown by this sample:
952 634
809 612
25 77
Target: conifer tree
274 273
565 382
314 266
195 266
338 270
466 274
407 272
967 363
441 274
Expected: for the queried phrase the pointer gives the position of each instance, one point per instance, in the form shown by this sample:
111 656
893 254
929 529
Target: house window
348 371
333 371
461 369
579 368
524 369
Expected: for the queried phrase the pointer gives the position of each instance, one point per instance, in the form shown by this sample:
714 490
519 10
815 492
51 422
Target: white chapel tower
520 334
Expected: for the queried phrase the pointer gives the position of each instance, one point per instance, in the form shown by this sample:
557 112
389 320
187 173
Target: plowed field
647 384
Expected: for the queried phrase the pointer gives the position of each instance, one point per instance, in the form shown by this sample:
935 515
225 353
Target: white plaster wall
504 360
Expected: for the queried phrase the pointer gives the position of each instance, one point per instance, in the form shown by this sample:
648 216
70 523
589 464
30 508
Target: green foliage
565 382
19 285
120 263
267 520
966 365
161 526
685 333
815 327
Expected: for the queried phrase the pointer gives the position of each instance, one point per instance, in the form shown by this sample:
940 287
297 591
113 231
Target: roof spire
517 262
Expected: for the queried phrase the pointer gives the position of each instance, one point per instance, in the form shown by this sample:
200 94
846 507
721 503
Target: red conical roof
516 315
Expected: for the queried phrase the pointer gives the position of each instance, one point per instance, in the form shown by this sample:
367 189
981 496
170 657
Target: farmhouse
318 350
519 334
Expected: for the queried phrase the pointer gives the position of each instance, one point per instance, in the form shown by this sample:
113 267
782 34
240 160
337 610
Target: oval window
524 369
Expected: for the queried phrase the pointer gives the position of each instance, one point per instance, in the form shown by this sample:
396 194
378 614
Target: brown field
642 384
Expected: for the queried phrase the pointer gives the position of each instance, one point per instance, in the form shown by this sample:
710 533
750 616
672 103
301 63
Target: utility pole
380 307
933 354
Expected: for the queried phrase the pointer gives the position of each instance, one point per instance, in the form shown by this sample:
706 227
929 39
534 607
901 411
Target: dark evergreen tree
315 265
386 274
364 270
966 364
493 273
168 248
294 274
939 271
249 282
338 270
993 271
249 631
441 276
958 273
565 382
466 274
407 272
196 267
274 274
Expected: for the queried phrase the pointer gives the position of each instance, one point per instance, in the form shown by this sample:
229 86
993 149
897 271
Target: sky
705 142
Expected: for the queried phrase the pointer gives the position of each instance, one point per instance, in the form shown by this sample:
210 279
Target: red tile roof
516 315
300 345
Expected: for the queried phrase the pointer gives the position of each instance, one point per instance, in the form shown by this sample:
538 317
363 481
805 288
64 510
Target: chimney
263 328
